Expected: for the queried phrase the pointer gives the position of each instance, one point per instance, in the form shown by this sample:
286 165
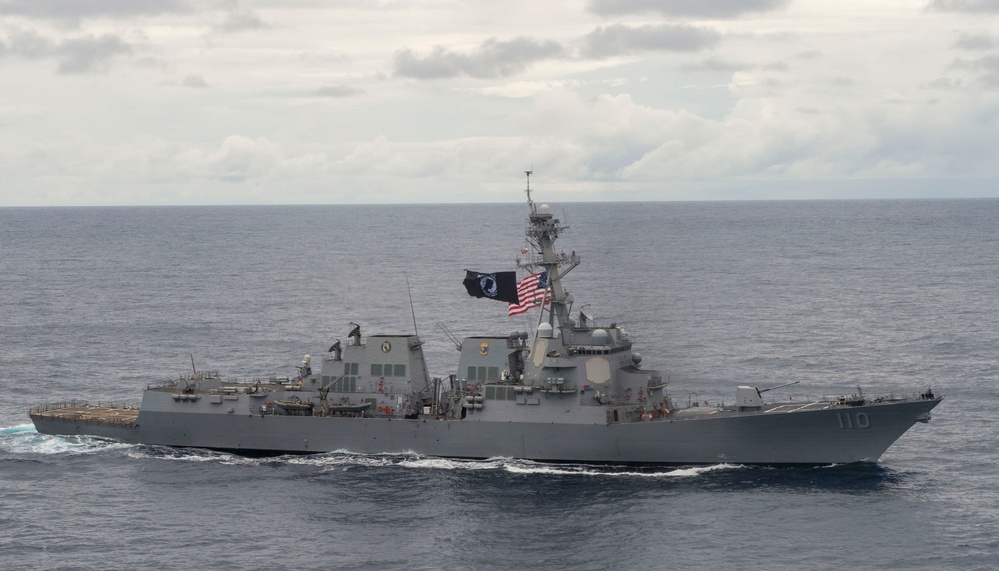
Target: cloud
988 65
237 159
619 39
493 58
83 54
193 80
946 84
337 91
683 8
975 42
964 5
89 53
235 19
76 10
715 65
239 20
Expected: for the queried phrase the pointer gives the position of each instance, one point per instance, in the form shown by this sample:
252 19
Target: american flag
531 291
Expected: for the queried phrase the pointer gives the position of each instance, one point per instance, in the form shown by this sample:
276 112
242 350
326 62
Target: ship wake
24 440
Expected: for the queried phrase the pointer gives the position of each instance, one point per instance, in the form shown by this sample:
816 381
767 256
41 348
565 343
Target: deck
83 413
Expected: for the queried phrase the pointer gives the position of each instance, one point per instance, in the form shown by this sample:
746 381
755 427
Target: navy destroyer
572 390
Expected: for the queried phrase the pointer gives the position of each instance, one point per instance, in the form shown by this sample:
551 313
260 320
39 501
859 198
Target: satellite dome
599 337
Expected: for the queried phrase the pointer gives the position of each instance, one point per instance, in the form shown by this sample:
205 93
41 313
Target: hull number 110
853 420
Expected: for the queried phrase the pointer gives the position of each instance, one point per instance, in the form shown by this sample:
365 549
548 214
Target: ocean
889 296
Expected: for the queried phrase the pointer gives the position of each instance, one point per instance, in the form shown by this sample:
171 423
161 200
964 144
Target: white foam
525 467
343 459
190 455
24 439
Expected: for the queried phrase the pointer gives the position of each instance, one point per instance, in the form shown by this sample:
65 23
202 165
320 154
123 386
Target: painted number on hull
855 420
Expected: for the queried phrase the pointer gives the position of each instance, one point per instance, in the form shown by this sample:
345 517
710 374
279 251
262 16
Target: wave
24 439
343 459
152 452
527 467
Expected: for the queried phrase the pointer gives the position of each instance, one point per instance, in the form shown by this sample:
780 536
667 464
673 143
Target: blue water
892 296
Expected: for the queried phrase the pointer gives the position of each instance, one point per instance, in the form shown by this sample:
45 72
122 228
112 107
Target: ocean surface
890 296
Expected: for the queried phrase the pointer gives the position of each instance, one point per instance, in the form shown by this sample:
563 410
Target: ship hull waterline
835 435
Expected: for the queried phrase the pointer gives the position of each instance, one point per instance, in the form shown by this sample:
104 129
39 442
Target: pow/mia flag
501 286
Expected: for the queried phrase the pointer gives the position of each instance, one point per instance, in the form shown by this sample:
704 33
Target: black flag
501 286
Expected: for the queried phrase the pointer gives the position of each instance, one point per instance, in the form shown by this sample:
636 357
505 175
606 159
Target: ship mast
542 231
530 203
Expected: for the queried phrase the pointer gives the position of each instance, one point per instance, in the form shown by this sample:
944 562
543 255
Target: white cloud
444 100
694 8
237 159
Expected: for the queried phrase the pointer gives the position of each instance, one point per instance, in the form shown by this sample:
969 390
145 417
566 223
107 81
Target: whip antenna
411 309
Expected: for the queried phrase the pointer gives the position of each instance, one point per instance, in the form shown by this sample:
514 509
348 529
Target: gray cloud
29 45
84 54
975 42
714 65
694 8
964 5
90 53
945 84
75 10
72 12
987 66
193 80
620 39
493 58
239 20
810 55
336 91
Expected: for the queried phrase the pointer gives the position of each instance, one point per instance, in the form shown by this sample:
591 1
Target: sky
150 102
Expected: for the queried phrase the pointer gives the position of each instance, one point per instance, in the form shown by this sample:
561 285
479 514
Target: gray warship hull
572 392
825 433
